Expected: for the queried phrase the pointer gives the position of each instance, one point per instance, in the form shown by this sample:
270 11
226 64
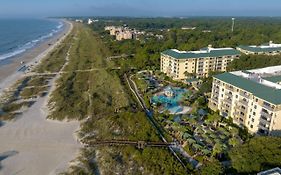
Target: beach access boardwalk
65 72
138 144
173 148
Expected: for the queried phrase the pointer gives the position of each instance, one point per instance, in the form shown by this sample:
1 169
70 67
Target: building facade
179 65
265 49
121 33
124 35
251 98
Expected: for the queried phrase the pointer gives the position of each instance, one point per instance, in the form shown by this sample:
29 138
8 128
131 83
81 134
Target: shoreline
9 73
32 144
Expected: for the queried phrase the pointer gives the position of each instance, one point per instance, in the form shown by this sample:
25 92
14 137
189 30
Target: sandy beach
33 145
9 73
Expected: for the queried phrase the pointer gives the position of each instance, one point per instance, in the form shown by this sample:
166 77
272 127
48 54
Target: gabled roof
259 49
212 53
266 93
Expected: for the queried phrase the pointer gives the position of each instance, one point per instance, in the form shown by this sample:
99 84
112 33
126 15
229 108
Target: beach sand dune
41 146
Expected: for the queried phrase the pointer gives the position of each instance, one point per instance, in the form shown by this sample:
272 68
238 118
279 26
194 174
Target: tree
214 118
189 75
213 167
217 150
233 142
258 154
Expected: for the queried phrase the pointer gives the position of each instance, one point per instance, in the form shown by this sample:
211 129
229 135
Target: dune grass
102 96
82 94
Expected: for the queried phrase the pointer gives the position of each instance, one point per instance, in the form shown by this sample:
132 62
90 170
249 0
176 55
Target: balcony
265 121
243 102
229 95
215 99
265 114
239 108
229 88
216 87
239 116
268 107
228 100
264 126
244 95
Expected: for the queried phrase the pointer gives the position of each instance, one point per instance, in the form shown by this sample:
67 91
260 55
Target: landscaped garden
185 116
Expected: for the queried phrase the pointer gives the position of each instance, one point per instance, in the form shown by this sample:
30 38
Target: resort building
251 98
179 65
124 34
113 29
121 33
264 49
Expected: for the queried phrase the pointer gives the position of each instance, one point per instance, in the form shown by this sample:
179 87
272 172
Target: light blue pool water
170 103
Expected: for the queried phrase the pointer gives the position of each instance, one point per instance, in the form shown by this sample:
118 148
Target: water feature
170 98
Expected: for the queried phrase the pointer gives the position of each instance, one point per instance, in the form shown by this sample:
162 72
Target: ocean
20 35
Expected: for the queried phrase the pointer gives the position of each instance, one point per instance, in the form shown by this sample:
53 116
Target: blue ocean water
19 35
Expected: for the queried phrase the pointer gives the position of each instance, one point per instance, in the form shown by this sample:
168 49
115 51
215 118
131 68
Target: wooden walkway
138 144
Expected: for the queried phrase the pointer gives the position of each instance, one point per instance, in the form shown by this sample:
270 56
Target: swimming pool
170 103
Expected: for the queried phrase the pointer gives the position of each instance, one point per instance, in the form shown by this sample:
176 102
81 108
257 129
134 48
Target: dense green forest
247 62
147 50
258 154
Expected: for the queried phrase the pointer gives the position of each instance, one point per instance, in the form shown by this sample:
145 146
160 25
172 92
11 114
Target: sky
143 8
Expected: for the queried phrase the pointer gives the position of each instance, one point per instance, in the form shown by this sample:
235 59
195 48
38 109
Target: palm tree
217 150
189 75
233 142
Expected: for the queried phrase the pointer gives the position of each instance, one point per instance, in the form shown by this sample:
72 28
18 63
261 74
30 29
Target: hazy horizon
139 8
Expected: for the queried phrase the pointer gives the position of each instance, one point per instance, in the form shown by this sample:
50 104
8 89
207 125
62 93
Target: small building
206 31
274 171
188 28
264 49
79 20
192 81
90 21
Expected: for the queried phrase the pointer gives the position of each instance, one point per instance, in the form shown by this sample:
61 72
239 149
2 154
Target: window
251 126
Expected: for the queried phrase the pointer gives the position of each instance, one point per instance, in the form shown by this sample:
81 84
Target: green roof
212 53
259 49
266 93
274 79
192 80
